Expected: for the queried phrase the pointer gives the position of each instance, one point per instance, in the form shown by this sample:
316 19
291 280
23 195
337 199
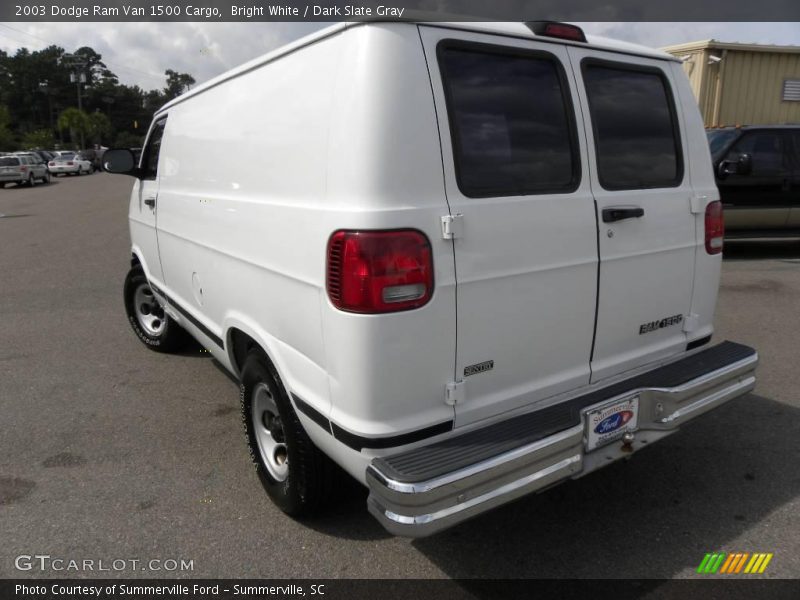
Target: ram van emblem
478 368
654 325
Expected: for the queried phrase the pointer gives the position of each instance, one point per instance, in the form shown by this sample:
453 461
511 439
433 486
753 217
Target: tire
149 322
31 180
46 178
302 483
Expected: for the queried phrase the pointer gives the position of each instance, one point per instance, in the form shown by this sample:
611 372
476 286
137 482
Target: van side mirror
120 161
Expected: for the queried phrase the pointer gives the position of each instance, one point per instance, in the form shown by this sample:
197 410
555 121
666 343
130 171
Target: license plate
610 422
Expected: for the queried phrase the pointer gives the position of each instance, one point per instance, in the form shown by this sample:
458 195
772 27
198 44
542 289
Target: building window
791 90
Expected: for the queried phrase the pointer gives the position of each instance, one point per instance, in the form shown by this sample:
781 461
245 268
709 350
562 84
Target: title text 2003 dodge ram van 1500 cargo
472 261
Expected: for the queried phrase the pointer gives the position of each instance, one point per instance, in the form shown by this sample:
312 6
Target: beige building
743 84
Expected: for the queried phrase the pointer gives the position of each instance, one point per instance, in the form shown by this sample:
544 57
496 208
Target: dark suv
758 174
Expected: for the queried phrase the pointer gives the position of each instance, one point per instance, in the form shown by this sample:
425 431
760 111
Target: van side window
511 121
152 150
766 152
635 127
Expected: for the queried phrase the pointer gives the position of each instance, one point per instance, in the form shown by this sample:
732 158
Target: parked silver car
22 169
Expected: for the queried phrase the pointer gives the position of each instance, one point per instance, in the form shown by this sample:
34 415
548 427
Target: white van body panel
703 191
249 240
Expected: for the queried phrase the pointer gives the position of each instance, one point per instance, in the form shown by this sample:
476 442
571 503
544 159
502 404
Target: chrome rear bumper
419 508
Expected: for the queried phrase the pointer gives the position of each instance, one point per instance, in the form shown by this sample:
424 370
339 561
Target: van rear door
524 228
647 230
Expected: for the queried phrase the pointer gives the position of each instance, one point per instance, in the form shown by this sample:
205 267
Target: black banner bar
730 588
414 10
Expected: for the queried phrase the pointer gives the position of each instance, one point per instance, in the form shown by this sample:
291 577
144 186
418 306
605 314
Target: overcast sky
139 53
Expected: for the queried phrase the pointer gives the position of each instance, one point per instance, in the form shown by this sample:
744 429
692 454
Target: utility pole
77 76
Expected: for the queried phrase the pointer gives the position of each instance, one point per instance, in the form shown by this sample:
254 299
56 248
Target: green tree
177 83
98 127
38 140
125 139
96 70
76 122
7 141
35 86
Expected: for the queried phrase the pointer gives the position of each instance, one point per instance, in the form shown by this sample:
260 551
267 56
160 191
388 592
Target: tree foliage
98 128
35 88
76 122
177 83
40 139
6 139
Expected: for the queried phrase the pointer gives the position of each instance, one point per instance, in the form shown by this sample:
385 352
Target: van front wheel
294 472
147 318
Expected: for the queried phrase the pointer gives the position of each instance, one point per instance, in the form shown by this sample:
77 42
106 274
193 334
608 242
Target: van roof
510 29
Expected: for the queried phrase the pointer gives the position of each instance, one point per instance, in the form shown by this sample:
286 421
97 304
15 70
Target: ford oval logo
613 422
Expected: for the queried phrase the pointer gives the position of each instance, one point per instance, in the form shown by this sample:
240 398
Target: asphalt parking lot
110 451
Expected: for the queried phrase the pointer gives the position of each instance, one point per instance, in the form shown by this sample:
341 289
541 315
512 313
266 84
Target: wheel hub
149 313
269 432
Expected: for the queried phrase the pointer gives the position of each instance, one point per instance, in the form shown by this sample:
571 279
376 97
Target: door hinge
452 226
454 393
697 204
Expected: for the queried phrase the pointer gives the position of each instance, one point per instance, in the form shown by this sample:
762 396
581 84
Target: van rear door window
635 128
511 121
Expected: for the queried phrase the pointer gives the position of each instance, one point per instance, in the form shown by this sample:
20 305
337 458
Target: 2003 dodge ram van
472 260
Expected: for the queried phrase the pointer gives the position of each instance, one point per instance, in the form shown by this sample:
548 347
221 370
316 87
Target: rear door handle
619 213
151 202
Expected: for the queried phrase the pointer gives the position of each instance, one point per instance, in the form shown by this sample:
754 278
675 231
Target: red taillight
70 164
379 271
554 29
715 227
51 164
23 169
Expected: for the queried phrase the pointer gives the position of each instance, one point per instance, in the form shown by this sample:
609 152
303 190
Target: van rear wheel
295 473
147 318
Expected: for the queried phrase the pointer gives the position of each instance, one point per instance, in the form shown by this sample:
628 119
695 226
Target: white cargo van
462 261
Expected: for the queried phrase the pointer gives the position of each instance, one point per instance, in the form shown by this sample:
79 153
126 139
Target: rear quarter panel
700 171
258 172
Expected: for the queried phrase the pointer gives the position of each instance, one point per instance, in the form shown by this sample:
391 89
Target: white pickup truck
472 260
